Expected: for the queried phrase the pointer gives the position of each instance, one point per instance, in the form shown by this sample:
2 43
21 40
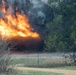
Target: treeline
61 31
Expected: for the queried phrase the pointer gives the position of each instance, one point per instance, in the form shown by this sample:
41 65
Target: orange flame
15 25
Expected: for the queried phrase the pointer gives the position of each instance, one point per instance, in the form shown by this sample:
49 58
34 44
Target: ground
64 72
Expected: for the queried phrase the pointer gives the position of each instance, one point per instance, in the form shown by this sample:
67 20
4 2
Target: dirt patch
64 72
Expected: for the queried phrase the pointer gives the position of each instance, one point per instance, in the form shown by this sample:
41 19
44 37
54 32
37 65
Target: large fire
14 25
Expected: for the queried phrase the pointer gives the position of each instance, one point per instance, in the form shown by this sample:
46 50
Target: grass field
41 62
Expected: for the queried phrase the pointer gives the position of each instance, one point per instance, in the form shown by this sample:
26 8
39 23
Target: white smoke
37 3
45 1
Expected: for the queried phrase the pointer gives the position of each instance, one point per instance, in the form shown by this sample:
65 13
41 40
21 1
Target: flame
14 25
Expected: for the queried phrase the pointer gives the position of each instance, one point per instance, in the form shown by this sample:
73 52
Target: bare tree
5 58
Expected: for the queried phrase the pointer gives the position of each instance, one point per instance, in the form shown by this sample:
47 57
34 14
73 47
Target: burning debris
15 26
